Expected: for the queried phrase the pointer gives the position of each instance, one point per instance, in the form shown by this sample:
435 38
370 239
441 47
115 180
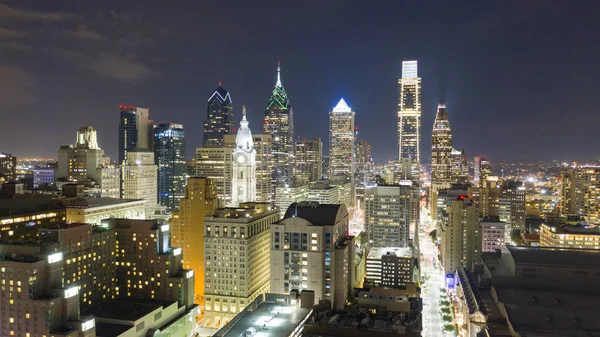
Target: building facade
279 123
219 118
364 159
8 167
243 184
390 267
341 140
409 116
388 210
98 211
140 178
169 157
308 161
216 163
492 234
187 229
461 236
570 236
236 242
135 130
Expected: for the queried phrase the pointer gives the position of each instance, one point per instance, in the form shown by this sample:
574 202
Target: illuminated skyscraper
364 160
441 148
219 118
187 230
309 157
279 123
264 165
243 184
216 163
388 214
135 130
461 236
140 178
341 141
409 116
169 156
482 169
8 167
459 164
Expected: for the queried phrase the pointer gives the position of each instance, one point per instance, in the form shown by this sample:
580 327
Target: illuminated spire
342 107
243 139
278 84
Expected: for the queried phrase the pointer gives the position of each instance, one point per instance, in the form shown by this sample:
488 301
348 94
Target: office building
169 157
441 152
136 130
236 242
187 229
265 187
89 281
219 118
308 161
286 196
325 166
324 193
459 165
311 250
580 192
388 210
279 123
492 234
482 169
243 184
461 236
503 199
391 267
86 163
216 163
341 140
409 116
98 211
8 167
364 159
42 177
570 236
139 178
22 215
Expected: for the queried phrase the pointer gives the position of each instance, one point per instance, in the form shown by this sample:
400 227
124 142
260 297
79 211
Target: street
433 277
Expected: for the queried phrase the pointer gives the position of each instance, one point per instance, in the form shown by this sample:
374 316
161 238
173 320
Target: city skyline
172 77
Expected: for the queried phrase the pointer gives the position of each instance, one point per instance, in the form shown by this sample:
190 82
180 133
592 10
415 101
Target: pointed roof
278 99
221 95
342 107
244 140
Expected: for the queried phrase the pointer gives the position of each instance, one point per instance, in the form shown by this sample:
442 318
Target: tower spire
278 84
244 112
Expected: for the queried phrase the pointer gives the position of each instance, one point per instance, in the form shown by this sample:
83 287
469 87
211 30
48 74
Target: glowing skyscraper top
409 116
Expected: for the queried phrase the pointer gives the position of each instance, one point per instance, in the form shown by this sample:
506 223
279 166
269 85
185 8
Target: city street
433 277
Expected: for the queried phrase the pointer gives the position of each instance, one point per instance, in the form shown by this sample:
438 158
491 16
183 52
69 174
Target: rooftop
555 256
27 204
98 202
126 309
314 212
574 229
378 252
271 319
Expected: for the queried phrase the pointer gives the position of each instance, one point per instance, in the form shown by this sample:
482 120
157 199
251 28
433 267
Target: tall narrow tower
243 185
219 118
134 130
341 140
279 123
441 148
409 116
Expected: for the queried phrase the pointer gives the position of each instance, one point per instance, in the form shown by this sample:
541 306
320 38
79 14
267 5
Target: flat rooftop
378 252
98 202
277 325
555 256
28 204
126 309
575 229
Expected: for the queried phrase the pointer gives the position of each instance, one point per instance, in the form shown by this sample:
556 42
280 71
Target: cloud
121 68
14 14
83 33
14 46
6 33
16 87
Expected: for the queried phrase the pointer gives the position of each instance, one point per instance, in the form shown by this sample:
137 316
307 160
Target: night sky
521 78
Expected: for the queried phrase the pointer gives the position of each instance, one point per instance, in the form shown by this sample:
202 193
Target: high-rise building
391 267
482 169
580 192
287 195
311 250
308 157
237 255
441 148
459 165
243 184
8 167
187 229
216 163
502 199
86 163
409 116
219 118
364 159
44 176
84 280
135 130
388 210
264 165
461 236
570 236
139 178
492 234
169 157
341 140
279 123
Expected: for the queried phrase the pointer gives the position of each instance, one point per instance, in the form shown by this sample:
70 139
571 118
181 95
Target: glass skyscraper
409 116
135 130
279 123
169 156
219 118
341 141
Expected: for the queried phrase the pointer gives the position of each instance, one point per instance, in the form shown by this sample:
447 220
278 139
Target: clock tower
243 185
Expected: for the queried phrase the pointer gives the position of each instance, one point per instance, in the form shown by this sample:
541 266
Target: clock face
241 159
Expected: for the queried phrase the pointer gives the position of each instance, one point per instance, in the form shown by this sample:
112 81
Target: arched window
241 174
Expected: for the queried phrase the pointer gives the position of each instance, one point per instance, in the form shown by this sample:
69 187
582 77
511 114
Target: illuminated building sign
56 257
